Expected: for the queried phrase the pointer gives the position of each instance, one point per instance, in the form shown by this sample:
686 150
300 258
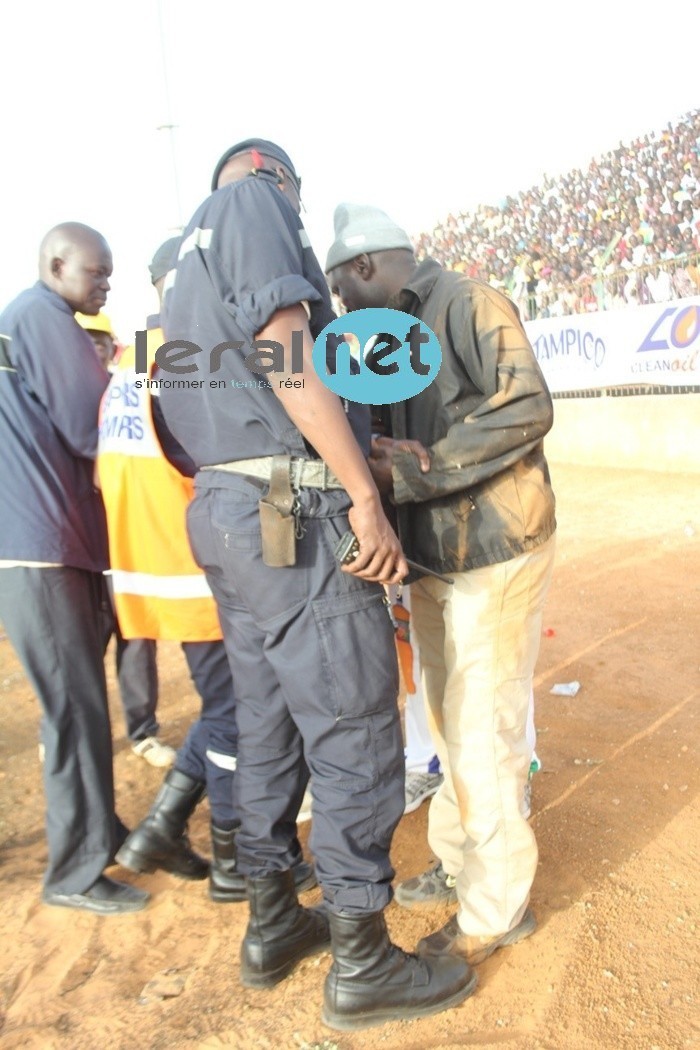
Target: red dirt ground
614 963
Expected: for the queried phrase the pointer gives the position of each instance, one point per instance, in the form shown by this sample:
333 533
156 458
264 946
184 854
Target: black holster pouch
277 524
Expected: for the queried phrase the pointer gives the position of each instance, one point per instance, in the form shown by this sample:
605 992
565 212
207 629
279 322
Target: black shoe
226 883
160 840
280 932
372 981
106 897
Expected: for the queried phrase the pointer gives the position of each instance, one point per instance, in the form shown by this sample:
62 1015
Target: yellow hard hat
97 323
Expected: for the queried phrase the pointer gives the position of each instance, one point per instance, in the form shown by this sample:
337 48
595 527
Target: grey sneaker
434 886
451 941
420 786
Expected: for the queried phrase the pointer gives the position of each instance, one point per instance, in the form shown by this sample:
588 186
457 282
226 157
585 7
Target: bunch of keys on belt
348 549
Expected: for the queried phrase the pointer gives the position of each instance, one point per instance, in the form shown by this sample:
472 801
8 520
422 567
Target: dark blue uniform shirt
245 255
51 384
172 449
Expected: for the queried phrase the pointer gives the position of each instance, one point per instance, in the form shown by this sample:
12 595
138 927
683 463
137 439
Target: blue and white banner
656 345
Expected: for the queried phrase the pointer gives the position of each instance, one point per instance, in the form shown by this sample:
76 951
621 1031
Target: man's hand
380 559
381 458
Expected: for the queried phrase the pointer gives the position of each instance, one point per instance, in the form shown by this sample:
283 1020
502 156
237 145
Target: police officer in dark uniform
282 474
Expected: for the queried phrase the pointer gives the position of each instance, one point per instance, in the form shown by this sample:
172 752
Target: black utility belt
280 526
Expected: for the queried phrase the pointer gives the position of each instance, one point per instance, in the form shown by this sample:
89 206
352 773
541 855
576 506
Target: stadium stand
624 232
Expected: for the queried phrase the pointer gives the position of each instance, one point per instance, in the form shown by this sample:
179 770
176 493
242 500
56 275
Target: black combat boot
226 884
160 840
372 981
280 932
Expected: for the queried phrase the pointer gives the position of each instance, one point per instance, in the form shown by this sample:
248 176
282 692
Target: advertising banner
655 345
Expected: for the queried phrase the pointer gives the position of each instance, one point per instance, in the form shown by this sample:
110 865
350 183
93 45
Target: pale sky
456 106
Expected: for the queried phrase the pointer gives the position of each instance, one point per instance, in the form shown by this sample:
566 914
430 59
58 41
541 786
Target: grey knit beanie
361 228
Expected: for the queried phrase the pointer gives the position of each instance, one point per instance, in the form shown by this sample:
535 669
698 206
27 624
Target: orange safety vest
159 591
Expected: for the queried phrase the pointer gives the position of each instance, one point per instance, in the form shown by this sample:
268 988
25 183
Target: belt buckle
296 471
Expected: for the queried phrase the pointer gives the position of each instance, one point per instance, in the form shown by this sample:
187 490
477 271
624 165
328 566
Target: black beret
269 149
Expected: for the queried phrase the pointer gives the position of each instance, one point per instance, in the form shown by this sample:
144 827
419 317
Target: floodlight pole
169 126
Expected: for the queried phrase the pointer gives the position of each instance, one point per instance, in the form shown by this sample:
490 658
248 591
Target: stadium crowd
625 231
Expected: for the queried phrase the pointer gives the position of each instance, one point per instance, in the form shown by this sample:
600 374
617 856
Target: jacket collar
57 299
416 291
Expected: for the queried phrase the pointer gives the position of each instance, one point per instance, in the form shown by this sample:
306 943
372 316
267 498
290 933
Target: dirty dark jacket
487 497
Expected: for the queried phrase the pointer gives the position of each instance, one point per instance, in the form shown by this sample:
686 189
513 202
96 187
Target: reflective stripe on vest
159 591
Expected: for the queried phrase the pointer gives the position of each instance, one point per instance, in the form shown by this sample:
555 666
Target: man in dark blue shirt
282 472
52 553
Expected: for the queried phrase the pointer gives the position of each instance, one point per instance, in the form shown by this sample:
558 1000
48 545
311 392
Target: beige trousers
478 644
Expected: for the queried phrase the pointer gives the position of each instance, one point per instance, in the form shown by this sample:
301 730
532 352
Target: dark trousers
51 616
208 753
210 749
137 672
313 658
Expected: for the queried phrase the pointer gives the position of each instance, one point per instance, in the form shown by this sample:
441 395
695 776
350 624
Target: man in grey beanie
477 504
